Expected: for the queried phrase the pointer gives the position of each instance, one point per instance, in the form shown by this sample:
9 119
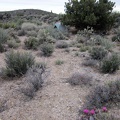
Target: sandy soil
57 100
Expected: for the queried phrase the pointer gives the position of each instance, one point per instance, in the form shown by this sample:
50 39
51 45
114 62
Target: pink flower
86 111
92 112
104 109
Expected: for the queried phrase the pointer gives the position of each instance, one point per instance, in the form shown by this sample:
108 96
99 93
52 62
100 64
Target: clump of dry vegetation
104 95
35 77
80 79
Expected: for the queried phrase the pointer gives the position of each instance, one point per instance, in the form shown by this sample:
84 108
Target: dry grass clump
80 79
106 116
35 77
62 44
90 62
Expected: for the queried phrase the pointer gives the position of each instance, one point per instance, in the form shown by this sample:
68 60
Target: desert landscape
48 74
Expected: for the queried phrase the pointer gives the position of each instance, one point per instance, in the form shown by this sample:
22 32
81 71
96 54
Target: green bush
105 95
47 49
31 43
31 33
21 32
44 36
1 48
12 44
84 48
98 53
83 13
116 38
59 62
17 63
3 36
110 64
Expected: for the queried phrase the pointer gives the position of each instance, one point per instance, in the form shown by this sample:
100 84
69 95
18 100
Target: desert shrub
67 50
21 32
17 63
116 38
57 34
96 40
3 106
83 35
110 64
44 36
28 26
62 44
31 33
98 53
90 62
80 79
81 39
107 44
47 49
3 36
99 40
31 43
105 116
1 48
17 40
59 62
84 48
35 77
28 91
104 95
12 44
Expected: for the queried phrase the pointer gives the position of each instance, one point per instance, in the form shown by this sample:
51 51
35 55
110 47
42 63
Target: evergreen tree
93 13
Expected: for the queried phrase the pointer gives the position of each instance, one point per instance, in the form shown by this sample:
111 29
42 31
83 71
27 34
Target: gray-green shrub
110 64
47 49
44 36
31 43
98 53
12 44
62 44
59 62
104 95
3 36
17 63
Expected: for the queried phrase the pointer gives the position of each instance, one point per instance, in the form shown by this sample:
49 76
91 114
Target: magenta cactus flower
92 112
104 109
86 111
